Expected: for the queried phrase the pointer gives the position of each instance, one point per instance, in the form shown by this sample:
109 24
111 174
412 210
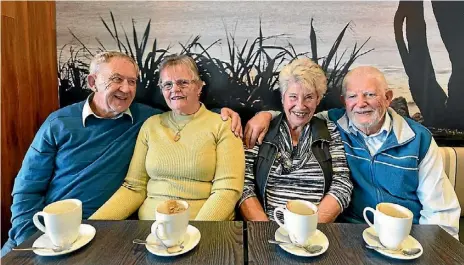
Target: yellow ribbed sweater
205 167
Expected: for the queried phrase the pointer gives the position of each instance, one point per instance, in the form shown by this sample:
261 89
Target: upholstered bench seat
453 159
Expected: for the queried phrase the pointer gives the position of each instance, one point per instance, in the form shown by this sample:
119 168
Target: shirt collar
87 111
385 129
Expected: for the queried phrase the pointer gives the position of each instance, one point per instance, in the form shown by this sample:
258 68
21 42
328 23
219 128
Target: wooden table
346 246
221 243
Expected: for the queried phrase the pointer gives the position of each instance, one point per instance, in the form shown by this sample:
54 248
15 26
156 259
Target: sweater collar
87 111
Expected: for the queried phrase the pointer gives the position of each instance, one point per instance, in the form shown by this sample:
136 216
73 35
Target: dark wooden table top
346 246
221 243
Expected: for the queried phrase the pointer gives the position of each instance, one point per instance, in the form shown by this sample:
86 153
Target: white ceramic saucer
191 239
409 242
86 234
317 239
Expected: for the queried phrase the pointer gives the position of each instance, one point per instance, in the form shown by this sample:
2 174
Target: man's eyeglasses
181 83
119 79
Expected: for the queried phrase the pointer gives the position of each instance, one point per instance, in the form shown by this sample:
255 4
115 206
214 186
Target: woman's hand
328 209
236 125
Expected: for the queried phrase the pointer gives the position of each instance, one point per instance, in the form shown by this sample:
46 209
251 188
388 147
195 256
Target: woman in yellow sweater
188 153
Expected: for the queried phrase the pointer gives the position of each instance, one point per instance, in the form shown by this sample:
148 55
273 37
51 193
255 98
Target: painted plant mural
241 46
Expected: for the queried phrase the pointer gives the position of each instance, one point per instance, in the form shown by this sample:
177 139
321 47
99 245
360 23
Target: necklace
178 127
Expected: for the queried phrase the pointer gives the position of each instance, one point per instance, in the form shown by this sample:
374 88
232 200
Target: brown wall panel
29 86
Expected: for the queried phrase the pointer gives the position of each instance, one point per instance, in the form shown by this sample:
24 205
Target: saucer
317 239
409 242
86 234
191 239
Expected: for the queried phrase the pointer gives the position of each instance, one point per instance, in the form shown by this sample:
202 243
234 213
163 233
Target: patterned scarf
292 158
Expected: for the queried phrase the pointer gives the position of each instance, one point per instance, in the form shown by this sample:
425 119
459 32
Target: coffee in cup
62 221
300 220
171 207
172 218
392 222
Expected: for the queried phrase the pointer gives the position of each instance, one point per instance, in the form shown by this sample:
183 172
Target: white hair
305 72
366 71
105 57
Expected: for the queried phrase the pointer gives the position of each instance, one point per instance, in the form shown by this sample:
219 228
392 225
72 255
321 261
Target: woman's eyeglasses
181 83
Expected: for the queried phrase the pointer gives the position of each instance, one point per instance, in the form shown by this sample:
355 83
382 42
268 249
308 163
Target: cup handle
275 216
368 209
36 221
157 224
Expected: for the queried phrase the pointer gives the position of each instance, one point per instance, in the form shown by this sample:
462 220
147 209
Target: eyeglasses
119 79
181 83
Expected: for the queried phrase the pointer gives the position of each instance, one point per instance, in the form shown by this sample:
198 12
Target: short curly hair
182 59
305 72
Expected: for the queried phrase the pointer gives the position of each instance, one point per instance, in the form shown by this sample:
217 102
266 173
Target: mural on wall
241 46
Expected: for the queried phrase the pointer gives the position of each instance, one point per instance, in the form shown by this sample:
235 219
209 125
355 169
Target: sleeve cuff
339 202
244 198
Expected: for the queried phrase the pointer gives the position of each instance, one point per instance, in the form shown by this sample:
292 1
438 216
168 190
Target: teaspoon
54 249
404 251
170 250
311 249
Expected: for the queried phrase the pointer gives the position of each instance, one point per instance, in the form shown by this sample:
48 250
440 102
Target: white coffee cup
300 220
172 218
62 221
392 222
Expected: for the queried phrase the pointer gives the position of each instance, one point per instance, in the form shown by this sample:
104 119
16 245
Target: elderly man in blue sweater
391 158
83 151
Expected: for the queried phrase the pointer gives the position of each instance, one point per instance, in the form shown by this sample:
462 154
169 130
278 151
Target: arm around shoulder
257 127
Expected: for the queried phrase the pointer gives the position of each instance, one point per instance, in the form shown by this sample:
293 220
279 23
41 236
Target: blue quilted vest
390 175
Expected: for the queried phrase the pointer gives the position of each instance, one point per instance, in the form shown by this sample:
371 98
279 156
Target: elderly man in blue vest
83 151
391 158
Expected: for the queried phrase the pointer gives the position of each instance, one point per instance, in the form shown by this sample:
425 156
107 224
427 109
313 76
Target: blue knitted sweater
67 160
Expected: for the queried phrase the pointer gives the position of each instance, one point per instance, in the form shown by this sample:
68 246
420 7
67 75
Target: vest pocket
398 179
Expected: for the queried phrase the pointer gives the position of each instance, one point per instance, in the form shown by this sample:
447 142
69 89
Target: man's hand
256 128
236 125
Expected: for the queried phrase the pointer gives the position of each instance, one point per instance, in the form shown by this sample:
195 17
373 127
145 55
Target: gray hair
105 57
174 60
368 72
305 72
